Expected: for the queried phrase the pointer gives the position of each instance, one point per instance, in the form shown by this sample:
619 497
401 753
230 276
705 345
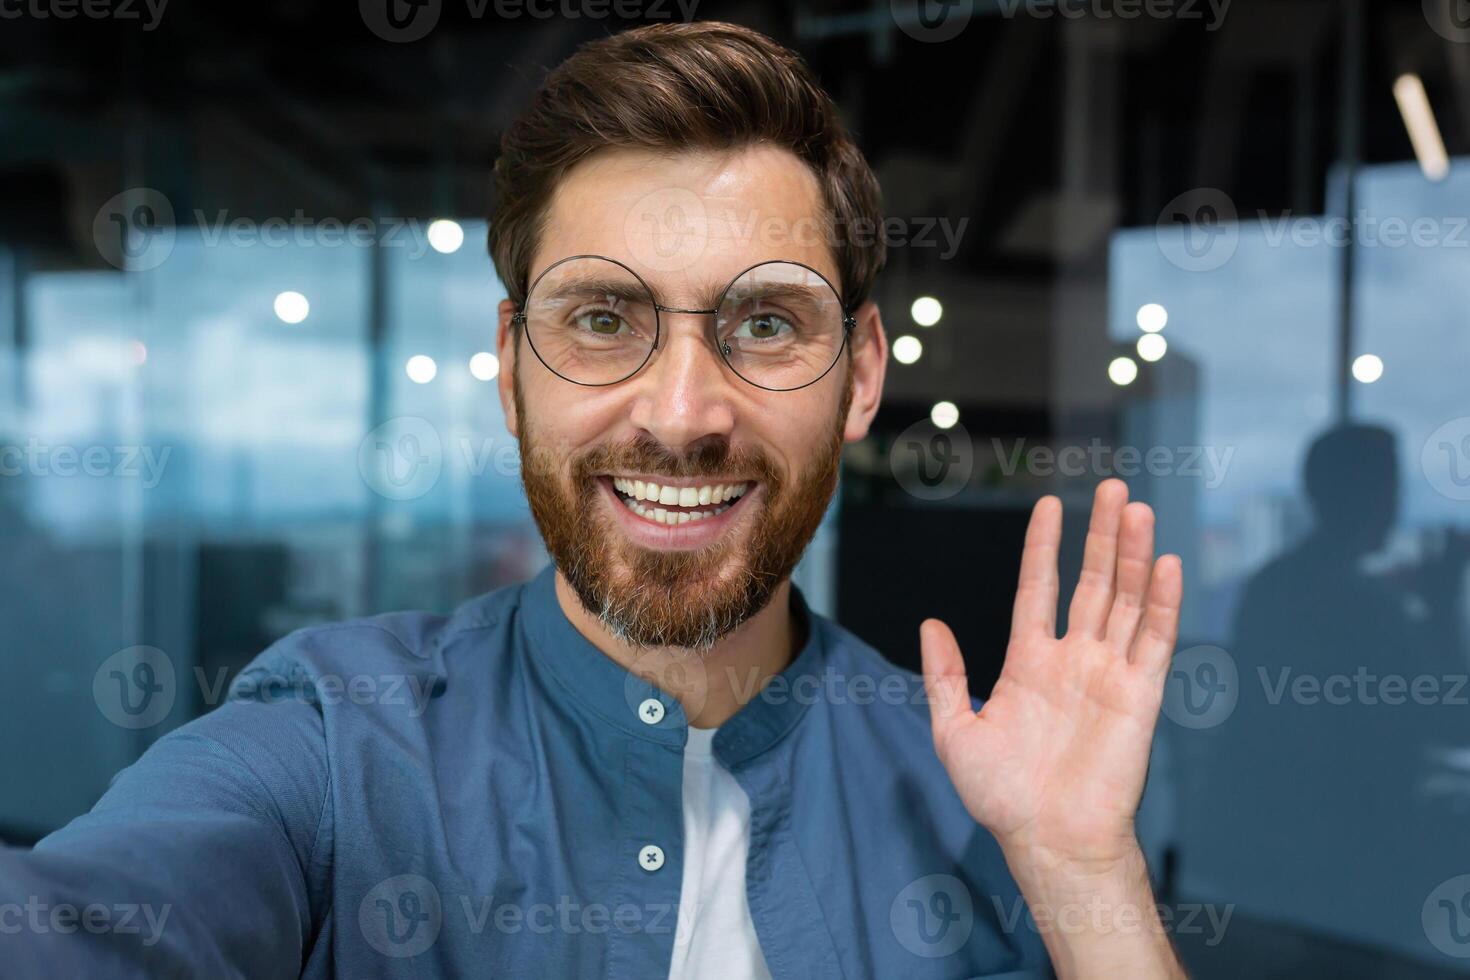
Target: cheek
559 412
564 422
796 432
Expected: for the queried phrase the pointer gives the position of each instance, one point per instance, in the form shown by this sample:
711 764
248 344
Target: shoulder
369 652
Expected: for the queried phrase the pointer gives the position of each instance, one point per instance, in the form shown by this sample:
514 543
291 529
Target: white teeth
672 517
716 495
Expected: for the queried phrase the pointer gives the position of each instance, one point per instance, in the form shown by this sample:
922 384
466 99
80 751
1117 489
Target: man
654 759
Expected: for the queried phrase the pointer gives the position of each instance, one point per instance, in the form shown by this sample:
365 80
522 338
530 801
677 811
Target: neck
711 686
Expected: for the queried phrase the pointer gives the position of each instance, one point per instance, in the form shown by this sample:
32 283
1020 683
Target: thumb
945 682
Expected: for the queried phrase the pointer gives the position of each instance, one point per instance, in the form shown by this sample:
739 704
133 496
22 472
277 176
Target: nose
685 394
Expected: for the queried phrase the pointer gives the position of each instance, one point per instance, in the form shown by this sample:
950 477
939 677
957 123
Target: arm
196 862
1053 765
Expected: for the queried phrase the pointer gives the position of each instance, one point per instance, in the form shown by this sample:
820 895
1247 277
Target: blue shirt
487 794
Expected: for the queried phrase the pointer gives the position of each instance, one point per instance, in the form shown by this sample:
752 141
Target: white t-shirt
714 937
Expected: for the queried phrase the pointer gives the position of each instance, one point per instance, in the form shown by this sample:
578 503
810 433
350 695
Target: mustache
643 454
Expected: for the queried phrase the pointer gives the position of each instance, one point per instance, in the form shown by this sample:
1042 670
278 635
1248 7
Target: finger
1135 562
945 682
1089 610
1035 610
1155 642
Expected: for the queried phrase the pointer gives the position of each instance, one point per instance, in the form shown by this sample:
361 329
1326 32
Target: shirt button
651 857
652 712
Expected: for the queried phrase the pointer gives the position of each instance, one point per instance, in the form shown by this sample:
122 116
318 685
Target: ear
869 367
505 349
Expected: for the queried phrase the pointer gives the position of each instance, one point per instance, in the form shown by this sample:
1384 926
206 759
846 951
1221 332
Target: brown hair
705 85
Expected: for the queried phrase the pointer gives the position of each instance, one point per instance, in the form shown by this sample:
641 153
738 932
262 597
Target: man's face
757 467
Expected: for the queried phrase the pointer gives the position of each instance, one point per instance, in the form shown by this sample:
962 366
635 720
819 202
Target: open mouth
671 504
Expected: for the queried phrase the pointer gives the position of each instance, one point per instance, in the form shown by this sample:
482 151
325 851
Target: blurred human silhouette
1349 680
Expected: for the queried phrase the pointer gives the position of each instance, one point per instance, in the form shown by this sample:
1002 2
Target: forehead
689 222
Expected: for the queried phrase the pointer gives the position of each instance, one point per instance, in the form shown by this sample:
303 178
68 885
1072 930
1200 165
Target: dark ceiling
1045 132
304 91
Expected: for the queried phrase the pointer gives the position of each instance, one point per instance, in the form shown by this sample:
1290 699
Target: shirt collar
616 696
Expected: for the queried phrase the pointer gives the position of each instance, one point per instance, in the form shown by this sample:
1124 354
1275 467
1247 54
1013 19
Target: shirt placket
650 853
783 902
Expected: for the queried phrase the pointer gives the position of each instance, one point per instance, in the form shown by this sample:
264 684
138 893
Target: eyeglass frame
849 322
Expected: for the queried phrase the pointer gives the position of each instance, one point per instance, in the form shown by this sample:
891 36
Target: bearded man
654 760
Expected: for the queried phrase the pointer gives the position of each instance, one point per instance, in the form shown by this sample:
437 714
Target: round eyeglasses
592 321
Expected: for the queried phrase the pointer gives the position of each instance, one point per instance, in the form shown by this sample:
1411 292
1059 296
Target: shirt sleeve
205 858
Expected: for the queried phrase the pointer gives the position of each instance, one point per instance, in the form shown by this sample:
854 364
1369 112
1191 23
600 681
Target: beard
678 598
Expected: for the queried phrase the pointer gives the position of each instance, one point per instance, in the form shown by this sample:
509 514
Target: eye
764 326
603 323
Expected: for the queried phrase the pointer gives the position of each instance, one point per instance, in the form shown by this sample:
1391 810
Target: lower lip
686 536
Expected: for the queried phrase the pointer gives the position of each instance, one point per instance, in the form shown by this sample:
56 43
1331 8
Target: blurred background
1219 249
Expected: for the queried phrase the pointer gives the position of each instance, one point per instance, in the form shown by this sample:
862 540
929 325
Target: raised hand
1054 762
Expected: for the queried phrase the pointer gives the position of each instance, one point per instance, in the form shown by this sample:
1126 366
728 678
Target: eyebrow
633 292
622 289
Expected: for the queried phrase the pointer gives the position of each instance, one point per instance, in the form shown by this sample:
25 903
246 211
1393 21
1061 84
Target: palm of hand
1055 761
